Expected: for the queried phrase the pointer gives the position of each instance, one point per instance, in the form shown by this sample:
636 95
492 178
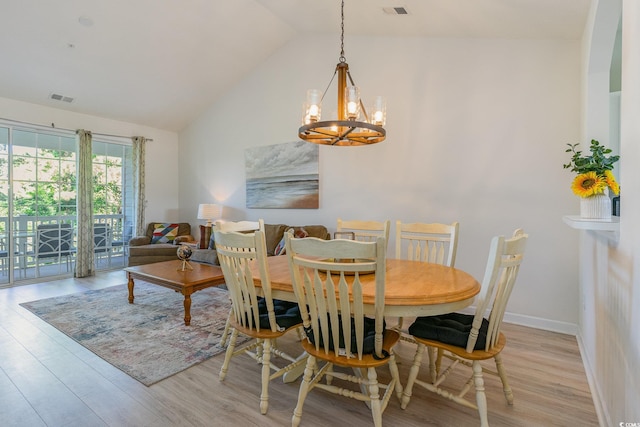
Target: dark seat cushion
368 346
451 328
287 313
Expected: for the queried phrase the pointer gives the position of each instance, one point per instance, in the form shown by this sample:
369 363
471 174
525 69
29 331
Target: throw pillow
299 234
279 250
164 233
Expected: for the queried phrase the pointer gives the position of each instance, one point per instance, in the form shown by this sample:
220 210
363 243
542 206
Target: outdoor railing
22 238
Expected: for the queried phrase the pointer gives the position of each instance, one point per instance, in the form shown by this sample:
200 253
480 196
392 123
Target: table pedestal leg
295 373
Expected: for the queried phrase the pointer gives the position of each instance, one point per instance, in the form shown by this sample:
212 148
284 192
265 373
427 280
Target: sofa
274 235
160 243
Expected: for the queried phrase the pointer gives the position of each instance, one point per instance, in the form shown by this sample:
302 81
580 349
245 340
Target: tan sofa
273 235
142 251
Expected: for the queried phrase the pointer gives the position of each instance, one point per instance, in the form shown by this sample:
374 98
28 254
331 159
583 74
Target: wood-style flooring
47 379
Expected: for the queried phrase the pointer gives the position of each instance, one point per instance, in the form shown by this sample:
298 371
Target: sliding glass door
112 203
38 218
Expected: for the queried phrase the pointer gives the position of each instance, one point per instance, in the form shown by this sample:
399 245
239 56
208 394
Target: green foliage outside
56 195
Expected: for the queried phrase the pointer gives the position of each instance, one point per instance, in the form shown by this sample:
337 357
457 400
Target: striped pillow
164 233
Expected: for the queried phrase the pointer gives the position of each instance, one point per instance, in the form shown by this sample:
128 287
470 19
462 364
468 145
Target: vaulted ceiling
162 62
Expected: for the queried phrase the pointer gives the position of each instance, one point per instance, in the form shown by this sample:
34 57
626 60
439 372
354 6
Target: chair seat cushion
451 328
368 346
287 313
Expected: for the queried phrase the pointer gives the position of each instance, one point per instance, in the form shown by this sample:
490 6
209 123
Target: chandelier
353 125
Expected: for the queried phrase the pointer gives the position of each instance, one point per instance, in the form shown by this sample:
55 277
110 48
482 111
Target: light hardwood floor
47 379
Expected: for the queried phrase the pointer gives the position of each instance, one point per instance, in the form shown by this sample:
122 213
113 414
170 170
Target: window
38 188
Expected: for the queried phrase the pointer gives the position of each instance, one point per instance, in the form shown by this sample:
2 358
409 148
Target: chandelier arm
347 132
364 110
329 85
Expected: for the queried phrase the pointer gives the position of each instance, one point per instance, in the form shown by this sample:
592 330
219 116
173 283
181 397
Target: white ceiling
162 62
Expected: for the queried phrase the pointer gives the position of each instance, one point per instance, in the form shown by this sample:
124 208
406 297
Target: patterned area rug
148 339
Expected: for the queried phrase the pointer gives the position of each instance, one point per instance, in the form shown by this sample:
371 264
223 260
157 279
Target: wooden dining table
412 288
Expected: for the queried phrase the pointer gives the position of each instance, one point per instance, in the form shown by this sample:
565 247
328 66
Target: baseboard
536 322
540 323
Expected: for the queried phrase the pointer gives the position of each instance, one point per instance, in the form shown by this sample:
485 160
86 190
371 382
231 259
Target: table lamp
209 212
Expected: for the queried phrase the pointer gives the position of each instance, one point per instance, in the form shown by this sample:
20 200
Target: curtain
138 184
84 206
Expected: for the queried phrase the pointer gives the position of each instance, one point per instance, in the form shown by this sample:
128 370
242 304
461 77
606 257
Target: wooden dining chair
339 331
241 227
426 242
365 231
261 318
468 339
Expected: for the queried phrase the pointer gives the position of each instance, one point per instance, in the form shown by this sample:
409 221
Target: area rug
148 340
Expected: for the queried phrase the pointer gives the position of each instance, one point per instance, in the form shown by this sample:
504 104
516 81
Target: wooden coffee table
169 275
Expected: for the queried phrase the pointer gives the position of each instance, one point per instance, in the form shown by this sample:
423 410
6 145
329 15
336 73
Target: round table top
408 283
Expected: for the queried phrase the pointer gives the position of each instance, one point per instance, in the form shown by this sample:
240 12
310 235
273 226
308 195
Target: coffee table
170 275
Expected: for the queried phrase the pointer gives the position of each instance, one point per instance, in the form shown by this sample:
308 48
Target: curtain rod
53 126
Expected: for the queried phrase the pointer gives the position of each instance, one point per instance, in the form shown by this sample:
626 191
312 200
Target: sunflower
611 182
588 184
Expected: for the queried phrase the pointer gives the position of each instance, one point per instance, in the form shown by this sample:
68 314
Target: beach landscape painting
283 176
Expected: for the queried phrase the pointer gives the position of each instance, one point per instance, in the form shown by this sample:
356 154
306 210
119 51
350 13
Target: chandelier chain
342 58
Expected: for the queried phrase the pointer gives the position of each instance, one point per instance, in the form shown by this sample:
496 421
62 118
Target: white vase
596 207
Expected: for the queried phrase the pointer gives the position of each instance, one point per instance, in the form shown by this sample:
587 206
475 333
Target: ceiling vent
399 10
62 98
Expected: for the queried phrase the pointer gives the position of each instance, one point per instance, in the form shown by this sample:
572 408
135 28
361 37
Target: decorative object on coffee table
184 253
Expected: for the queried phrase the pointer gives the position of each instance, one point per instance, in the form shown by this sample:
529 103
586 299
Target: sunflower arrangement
594 171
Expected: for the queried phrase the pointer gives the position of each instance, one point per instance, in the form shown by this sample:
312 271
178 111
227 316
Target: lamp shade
209 211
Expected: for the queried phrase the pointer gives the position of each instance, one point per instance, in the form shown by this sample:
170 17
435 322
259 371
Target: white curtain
84 206
138 184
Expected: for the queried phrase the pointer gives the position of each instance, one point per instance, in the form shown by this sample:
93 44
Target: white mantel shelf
579 223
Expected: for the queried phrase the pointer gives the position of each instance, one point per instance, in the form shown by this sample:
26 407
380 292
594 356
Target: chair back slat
327 277
365 231
427 242
236 252
240 226
503 266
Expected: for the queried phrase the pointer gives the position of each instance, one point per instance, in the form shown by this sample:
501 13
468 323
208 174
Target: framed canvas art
283 176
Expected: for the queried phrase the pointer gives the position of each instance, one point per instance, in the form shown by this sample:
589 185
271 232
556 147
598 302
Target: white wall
161 153
476 133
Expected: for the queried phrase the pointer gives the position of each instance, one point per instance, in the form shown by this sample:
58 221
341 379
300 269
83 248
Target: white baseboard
535 322
544 324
